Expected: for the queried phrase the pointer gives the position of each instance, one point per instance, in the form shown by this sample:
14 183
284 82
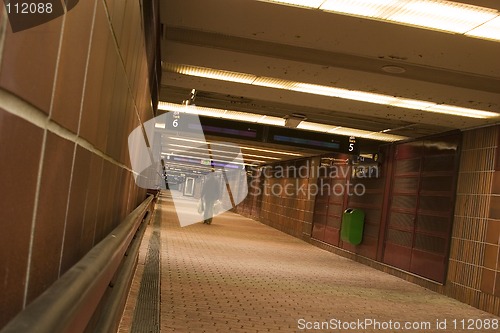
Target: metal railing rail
69 304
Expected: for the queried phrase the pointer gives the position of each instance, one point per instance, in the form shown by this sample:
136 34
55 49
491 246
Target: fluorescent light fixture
441 15
489 30
191 166
299 3
274 121
412 104
369 97
219 113
383 136
278 152
318 89
242 116
203 155
459 111
191 158
315 89
204 149
366 8
311 126
211 73
270 82
354 132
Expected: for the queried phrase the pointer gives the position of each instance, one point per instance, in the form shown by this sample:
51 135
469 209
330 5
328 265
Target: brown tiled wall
270 204
474 273
287 213
71 91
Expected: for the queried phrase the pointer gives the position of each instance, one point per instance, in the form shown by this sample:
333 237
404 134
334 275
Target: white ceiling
322 48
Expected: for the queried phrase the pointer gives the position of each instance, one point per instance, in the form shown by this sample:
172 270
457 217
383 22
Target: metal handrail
69 304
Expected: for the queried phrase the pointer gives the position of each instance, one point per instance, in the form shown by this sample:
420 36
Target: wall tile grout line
129 88
56 70
81 112
99 202
33 222
84 86
61 255
51 109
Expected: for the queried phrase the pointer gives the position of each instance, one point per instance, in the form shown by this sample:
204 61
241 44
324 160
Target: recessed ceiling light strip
356 95
488 30
228 159
215 74
218 151
223 160
228 145
441 15
304 125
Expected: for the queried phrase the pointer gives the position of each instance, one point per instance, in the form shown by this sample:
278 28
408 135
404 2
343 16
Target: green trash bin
353 221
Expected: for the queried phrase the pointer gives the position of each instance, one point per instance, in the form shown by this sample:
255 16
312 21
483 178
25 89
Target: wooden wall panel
421 206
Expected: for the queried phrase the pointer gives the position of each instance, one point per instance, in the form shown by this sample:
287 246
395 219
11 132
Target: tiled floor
238 275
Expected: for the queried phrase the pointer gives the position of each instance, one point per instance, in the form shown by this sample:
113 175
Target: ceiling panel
311 46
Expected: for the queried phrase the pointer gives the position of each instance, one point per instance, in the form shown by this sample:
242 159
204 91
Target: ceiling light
380 136
489 30
442 15
315 89
220 113
363 96
279 152
210 73
272 83
242 116
200 167
310 126
195 159
412 104
304 125
299 3
205 155
367 8
459 111
354 132
274 121
189 148
318 89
